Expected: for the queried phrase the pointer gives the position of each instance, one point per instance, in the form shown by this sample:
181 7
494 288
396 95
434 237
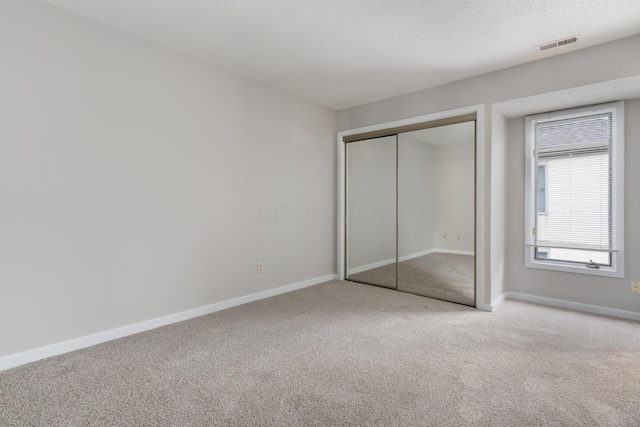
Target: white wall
137 183
498 202
592 290
454 201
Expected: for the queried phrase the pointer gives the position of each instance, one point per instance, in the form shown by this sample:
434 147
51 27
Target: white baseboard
453 251
416 255
15 360
498 302
493 306
570 305
484 307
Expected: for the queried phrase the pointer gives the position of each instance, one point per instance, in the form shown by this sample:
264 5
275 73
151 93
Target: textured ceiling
344 53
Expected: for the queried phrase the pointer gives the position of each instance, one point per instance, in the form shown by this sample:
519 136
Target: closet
410 209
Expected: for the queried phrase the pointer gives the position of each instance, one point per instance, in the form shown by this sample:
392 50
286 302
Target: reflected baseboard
371 266
416 255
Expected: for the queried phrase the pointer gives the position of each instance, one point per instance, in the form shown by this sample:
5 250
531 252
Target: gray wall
593 290
371 202
605 62
137 183
454 222
416 196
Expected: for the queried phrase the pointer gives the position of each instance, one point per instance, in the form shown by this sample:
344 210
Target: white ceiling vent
556 43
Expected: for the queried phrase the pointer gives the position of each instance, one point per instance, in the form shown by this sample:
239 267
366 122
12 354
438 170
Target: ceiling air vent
556 43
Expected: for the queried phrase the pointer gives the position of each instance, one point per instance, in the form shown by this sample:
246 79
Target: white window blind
576 154
573 202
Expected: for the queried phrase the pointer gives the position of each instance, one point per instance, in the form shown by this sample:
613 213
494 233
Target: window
574 190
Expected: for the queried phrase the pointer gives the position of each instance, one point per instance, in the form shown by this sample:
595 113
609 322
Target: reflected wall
436 205
371 211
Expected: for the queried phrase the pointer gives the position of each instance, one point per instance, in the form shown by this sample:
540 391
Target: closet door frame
422 122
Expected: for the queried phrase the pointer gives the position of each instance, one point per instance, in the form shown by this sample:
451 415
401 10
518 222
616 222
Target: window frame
617 190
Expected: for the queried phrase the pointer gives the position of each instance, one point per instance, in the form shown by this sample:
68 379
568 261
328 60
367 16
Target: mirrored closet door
371 211
436 208
410 220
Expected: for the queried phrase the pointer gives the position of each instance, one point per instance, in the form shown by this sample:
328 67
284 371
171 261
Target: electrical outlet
260 267
384 245
635 287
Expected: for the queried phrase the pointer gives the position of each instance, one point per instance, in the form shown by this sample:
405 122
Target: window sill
575 268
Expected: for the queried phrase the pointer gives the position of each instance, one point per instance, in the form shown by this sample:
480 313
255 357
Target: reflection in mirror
436 179
371 211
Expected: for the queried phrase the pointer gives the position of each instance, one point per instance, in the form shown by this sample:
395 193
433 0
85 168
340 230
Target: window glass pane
542 188
584 133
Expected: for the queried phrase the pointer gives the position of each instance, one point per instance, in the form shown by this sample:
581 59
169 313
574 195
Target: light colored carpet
343 353
449 277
